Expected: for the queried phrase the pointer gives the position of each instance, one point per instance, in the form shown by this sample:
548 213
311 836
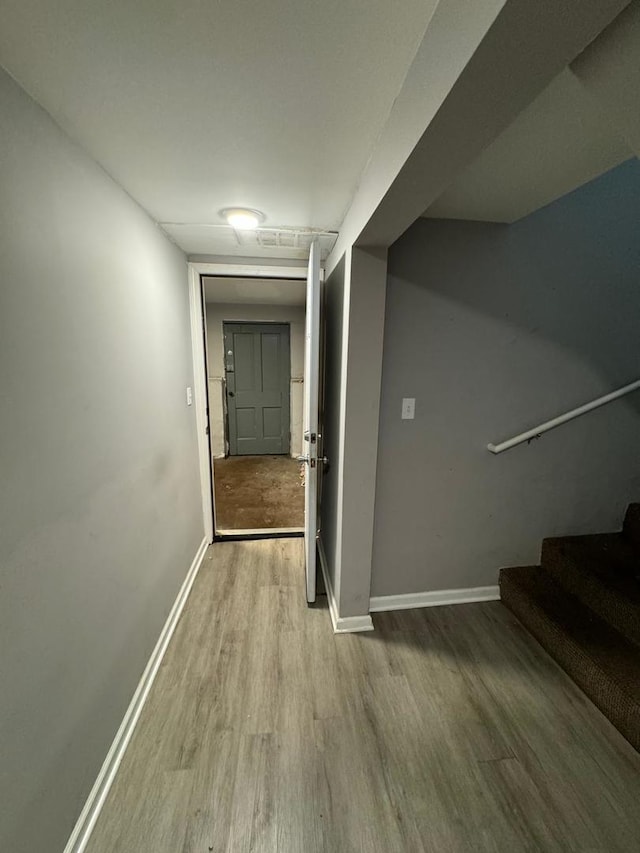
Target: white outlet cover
408 408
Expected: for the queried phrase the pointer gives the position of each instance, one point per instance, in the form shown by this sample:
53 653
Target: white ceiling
202 104
240 291
561 141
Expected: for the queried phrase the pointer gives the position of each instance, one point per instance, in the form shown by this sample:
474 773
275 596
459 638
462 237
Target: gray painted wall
100 513
331 416
354 322
495 329
365 336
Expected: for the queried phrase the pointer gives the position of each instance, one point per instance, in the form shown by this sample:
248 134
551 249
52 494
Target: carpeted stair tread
603 662
603 571
631 527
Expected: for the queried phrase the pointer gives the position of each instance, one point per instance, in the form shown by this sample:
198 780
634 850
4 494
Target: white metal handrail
562 419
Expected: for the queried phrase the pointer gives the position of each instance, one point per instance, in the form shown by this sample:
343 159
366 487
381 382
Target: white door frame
200 377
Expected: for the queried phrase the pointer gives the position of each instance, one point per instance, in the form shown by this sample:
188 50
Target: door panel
258 376
244 359
246 424
271 422
311 387
271 359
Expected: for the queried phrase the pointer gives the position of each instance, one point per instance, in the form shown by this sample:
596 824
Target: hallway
447 729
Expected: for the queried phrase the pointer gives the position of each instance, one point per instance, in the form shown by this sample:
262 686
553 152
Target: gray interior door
258 374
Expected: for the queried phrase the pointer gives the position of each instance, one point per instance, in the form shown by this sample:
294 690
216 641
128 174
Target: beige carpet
258 492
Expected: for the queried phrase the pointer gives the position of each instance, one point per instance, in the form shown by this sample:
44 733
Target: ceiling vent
295 241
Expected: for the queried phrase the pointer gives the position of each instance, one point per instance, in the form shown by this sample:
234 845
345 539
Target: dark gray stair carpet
603 571
631 527
602 661
583 605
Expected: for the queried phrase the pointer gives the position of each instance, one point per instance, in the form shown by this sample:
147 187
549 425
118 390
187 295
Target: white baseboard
352 624
434 598
341 624
93 806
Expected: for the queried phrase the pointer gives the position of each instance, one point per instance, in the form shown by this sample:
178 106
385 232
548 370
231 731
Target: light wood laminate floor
446 729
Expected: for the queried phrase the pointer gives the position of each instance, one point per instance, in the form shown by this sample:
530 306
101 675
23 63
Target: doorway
254 341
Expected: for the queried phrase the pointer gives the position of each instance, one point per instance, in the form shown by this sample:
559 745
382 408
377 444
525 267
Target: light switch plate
189 395
408 408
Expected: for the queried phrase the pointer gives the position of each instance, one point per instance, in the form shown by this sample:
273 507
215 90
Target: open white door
311 390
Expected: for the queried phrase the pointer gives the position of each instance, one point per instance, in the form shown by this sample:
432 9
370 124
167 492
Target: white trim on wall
341 624
249 270
200 398
435 598
84 825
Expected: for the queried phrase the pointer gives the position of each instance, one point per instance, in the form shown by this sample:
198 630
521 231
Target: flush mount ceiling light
243 218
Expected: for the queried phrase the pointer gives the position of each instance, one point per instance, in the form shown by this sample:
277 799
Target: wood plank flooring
446 729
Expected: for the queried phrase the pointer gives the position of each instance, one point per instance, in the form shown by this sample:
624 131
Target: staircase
582 604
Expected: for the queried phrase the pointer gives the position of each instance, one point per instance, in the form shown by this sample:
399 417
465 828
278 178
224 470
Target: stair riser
609 605
631 527
604 692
